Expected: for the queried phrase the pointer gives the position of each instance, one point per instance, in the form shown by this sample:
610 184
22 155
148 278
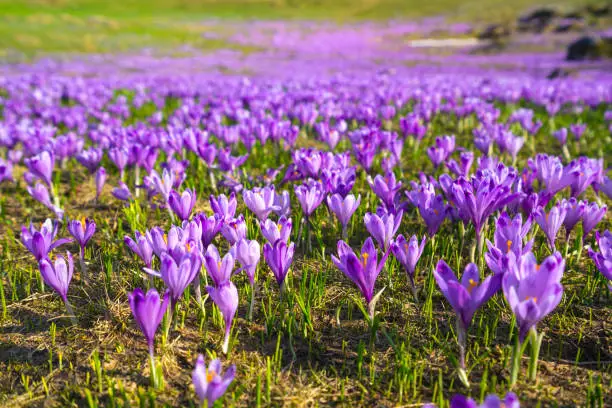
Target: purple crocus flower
383 228
578 129
260 201
163 184
119 156
40 193
220 270
279 257
178 275
148 311
223 206
339 181
362 270
343 208
465 296
408 254
491 401
211 226
40 243
532 290
508 238
437 155
209 382
41 166
561 136
588 171
551 172
574 213
310 196
182 204
100 180
234 230
82 231
274 231
606 186
6 170
478 199
282 204
466 159
141 246
592 216
122 192
225 297
550 222
385 188
603 258
90 158
58 274
248 254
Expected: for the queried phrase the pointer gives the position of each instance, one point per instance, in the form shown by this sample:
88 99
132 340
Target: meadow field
293 203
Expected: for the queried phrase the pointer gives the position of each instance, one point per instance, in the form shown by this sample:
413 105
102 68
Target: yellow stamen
473 284
210 375
166 238
219 264
83 222
538 267
436 212
188 247
365 257
509 244
535 299
280 227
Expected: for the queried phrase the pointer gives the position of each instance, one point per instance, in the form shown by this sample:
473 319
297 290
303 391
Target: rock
495 32
581 49
599 10
558 73
567 25
537 20
589 47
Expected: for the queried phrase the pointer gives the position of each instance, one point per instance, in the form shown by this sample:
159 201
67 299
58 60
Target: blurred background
525 34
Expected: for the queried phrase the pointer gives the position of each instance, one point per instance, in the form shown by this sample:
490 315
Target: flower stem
345 233
309 235
213 181
414 288
516 361
153 368
71 314
137 181
83 265
462 340
536 341
226 340
299 235
252 305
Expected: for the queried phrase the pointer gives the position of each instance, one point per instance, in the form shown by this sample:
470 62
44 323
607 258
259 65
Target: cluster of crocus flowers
533 291
248 253
41 243
222 292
